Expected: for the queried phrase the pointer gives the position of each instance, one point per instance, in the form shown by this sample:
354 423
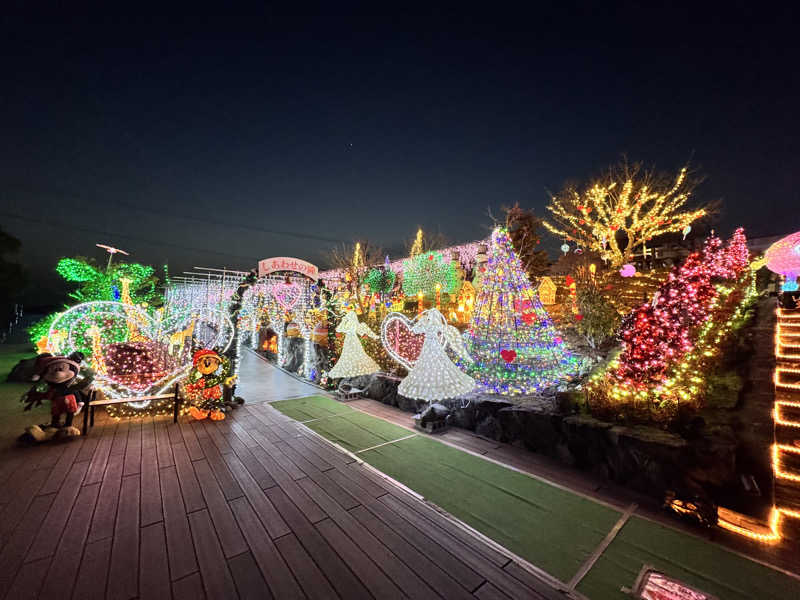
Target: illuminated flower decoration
783 257
627 270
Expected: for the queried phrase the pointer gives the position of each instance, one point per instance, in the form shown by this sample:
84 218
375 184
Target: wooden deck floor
251 507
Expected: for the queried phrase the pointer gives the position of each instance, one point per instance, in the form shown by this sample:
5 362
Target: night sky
217 142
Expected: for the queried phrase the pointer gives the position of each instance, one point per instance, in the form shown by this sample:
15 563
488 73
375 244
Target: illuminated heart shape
508 355
286 294
400 343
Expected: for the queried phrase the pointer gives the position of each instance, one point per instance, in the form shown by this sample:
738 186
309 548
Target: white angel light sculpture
434 376
353 361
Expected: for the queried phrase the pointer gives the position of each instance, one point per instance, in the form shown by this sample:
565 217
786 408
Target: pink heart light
286 294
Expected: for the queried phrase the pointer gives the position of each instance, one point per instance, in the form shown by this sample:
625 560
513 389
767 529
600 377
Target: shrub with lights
670 344
424 272
516 349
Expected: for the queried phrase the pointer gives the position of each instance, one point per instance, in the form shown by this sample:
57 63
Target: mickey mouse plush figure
210 372
57 382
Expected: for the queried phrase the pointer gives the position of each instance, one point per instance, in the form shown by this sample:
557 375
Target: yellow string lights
624 204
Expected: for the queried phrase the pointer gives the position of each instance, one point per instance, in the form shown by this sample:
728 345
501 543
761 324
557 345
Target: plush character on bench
210 371
58 382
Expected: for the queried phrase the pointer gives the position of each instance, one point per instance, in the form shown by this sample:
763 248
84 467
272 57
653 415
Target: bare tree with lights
619 212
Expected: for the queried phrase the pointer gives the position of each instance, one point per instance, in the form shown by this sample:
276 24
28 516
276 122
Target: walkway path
255 506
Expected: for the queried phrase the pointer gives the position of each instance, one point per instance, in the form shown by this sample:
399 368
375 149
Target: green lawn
553 529
10 355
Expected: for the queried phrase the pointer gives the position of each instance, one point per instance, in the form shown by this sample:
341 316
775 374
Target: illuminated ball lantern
783 258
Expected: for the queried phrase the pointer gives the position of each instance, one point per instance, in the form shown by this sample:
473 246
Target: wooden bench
88 415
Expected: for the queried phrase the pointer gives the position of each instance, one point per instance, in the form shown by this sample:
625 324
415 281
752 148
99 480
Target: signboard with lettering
285 263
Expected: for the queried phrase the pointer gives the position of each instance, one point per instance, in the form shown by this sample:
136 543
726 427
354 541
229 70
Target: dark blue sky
344 127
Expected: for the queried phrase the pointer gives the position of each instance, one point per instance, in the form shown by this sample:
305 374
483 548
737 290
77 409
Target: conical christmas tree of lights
517 350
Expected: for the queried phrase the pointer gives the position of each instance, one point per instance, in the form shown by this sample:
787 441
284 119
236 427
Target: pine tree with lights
516 349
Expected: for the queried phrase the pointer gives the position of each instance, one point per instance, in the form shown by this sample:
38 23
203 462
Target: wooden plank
54 524
272 521
333 489
189 588
432 515
467 551
120 438
230 537
488 592
150 487
148 433
426 544
106 511
190 439
249 582
352 480
174 434
338 573
163 447
123 577
61 468
312 457
305 571
216 437
97 466
88 447
9 466
243 435
28 581
259 473
322 449
366 571
25 490
21 540
276 573
225 478
427 570
60 579
133 451
398 572
278 455
309 508
179 539
190 489
217 579
543 590
153 569
91 582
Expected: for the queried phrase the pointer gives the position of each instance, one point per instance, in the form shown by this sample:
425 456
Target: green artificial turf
312 407
357 431
552 528
698 563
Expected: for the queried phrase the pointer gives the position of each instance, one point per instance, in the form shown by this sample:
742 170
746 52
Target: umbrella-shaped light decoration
783 257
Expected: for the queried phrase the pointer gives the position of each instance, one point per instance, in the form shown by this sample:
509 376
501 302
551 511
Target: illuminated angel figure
434 376
353 361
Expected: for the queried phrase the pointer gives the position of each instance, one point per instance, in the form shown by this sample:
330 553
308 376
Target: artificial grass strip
356 432
311 407
552 528
690 559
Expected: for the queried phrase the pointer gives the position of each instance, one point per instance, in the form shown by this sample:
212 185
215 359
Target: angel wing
456 342
363 329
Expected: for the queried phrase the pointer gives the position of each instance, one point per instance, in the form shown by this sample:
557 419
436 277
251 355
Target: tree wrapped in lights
380 279
669 344
516 349
618 213
421 273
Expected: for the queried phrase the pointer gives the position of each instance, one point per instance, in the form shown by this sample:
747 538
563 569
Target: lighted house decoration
783 258
461 310
547 291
